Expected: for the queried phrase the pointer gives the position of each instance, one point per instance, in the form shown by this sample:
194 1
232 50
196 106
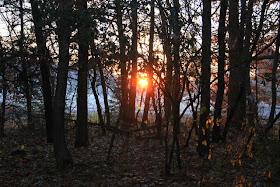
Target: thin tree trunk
251 111
221 72
204 139
123 66
176 89
44 68
24 69
4 93
149 67
194 113
99 110
113 139
274 81
157 112
82 109
63 157
167 52
105 94
176 82
133 83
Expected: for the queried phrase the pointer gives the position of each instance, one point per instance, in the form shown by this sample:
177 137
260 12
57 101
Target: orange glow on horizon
143 82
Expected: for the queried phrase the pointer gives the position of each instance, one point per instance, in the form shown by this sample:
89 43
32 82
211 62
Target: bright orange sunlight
143 82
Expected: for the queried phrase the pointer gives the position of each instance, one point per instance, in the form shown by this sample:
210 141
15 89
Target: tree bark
134 53
99 110
203 148
44 61
123 66
149 66
167 51
63 157
221 71
236 69
82 109
247 59
105 94
274 78
25 69
4 92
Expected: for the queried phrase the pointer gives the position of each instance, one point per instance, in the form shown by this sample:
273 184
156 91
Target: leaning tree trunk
105 94
82 109
63 157
99 110
44 68
221 72
204 139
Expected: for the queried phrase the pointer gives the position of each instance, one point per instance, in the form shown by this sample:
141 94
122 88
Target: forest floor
26 160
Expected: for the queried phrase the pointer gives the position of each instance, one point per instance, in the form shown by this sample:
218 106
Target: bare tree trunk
4 92
105 94
274 80
133 83
149 67
103 84
44 68
157 112
203 148
123 66
82 109
237 67
24 69
251 111
167 50
63 157
221 72
99 110
176 89
176 83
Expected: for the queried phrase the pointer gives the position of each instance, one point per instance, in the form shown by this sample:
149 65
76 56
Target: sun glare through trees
139 93
143 82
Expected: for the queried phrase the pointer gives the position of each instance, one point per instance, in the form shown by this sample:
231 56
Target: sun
143 82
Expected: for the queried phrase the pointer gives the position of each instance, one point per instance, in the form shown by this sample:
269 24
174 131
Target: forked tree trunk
103 84
63 157
236 99
105 94
99 110
176 96
82 109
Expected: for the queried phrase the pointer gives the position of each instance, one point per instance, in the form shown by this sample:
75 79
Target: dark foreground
26 160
